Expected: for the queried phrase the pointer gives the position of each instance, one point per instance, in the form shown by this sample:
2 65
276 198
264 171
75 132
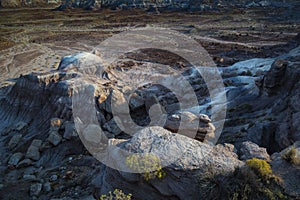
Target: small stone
172 108
69 174
230 147
204 118
6 132
14 141
37 143
33 151
69 130
1 186
102 98
30 170
15 158
28 177
251 150
108 135
47 187
45 145
24 163
187 116
54 138
117 100
136 102
113 127
56 124
53 178
20 126
119 103
35 189
175 117
92 133
187 119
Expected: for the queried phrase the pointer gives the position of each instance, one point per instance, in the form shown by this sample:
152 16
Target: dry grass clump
148 165
255 180
291 156
260 166
116 195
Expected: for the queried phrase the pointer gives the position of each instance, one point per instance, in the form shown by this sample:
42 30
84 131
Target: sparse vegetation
291 156
116 195
148 165
244 184
260 166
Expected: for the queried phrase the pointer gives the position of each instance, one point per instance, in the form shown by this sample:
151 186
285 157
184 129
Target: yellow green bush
116 195
148 165
261 167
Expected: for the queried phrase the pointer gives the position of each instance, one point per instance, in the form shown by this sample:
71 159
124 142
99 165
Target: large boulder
186 159
251 150
83 62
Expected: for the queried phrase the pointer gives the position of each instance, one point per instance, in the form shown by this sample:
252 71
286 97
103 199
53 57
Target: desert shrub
148 165
233 186
260 166
291 156
263 169
116 195
243 184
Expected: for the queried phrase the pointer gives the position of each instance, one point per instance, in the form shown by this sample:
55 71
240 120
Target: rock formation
38 125
262 105
39 139
182 176
251 150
